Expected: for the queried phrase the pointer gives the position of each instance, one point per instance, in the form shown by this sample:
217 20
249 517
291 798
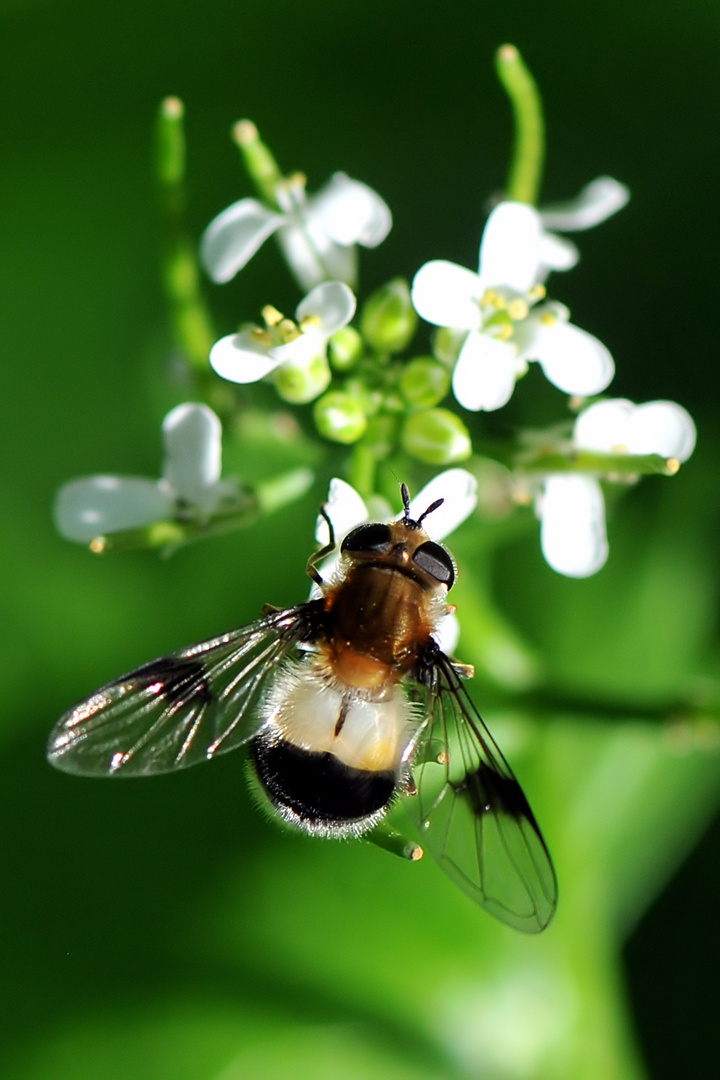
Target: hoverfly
345 703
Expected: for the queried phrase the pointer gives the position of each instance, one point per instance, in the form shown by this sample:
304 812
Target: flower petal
241 359
193 451
344 507
485 373
446 294
662 427
233 237
557 253
597 201
333 302
96 505
573 360
350 212
572 535
312 256
604 426
510 247
458 490
447 634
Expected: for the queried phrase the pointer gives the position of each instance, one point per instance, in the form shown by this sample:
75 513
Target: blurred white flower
255 351
508 326
571 505
346 509
595 203
317 234
190 485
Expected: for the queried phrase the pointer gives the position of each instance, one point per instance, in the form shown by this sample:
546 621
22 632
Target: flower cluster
571 505
190 486
380 400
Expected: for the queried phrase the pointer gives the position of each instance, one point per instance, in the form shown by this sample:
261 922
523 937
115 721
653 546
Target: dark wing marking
471 812
182 709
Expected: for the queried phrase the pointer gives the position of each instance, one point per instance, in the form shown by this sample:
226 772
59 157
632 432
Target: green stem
627 465
191 322
363 464
525 173
261 166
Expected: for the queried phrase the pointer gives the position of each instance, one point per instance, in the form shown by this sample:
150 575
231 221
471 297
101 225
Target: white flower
507 325
254 352
571 506
346 509
191 484
317 234
595 203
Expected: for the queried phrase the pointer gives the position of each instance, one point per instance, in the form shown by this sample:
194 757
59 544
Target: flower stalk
528 155
189 315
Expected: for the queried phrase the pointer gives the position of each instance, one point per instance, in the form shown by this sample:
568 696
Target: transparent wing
471 812
182 709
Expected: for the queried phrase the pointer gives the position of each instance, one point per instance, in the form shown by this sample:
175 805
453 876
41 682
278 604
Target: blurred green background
166 929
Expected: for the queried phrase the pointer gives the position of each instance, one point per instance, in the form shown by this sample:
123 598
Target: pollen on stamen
309 322
271 315
492 298
518 309
98 545
548 318
672 465
537 292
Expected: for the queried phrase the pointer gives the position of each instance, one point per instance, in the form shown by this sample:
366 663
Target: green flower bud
345 348
424 382
388 319
339 417
437 437
300 383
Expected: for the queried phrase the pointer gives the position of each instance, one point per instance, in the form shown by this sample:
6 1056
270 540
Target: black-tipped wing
182 709
471 812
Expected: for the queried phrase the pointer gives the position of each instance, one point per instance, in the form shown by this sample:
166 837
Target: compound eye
436 561
374 537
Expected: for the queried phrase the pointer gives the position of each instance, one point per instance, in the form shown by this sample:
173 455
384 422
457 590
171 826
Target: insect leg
318 556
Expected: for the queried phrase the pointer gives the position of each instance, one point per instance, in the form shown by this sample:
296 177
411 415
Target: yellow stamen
263 337
518 309
98 545
271 315
548 318
309 322
288 330
504 332
538 292
492 298
672 465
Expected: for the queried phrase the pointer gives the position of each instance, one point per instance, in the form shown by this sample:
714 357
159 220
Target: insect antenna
406 503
